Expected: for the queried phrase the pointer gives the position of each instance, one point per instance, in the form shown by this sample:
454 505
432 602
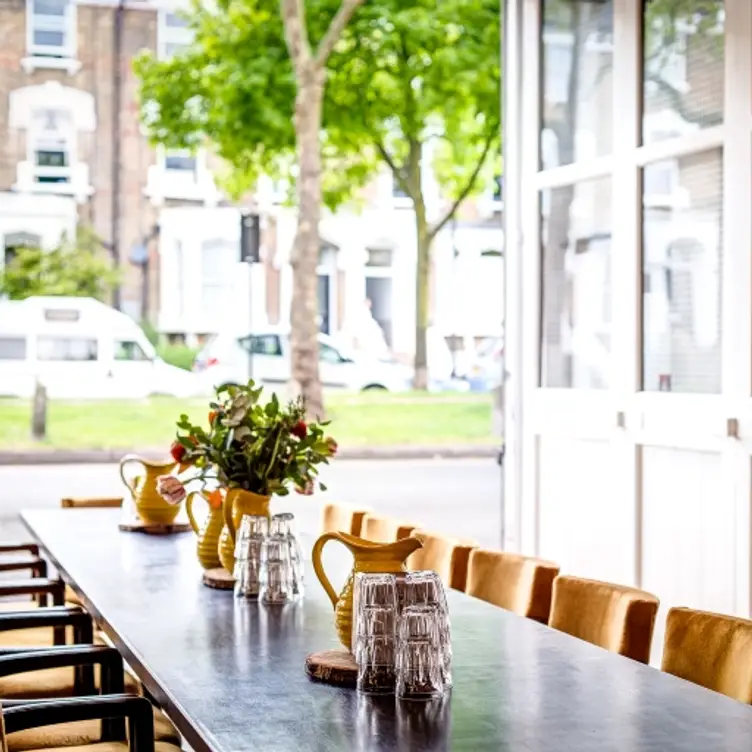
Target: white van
79 348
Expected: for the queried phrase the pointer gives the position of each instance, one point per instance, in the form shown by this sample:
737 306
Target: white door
629 342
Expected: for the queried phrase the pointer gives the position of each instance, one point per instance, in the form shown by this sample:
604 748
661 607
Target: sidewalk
105 456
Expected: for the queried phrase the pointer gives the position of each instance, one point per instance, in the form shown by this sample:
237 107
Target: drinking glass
283 526
248 543
425 588
372 590
376 659
419 659
276 572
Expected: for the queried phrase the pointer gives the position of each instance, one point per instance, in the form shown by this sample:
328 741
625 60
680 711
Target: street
457 497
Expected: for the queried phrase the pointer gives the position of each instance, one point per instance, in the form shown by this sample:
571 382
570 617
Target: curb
111 456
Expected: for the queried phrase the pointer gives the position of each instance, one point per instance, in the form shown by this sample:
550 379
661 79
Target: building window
182 161
51 146
577 73
576 285
51 28
682 277
498 189
173 35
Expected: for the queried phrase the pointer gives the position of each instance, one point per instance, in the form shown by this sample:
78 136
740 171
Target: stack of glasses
268 560
402 639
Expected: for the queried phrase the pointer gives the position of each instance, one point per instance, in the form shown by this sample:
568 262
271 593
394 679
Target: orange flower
212 417
215 498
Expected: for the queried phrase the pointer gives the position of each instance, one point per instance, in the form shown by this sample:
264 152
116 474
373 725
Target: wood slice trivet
137 526
336 667
219 578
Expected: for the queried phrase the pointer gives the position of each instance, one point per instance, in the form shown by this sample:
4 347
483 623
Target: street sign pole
250 253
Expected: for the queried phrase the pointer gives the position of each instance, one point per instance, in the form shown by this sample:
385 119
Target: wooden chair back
516 583
614 617
712 650
3 740
343 518
385 529
106 502
446 556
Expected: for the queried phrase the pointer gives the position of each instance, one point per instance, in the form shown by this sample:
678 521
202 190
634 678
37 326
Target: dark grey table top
231 673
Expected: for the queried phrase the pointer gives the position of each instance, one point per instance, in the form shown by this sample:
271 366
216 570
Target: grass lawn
357 420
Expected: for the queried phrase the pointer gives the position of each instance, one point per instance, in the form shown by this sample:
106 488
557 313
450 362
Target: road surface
457 497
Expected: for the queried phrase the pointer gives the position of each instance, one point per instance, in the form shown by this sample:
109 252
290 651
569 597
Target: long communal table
230 673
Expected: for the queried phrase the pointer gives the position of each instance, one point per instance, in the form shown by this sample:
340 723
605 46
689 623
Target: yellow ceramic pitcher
238 502
151 507
207 534
387 558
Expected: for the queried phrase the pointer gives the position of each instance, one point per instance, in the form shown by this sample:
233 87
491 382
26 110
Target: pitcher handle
189 510
125 461
318 567
229 522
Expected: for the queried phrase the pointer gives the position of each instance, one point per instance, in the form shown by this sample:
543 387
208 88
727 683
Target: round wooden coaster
219 578
141 527
336 667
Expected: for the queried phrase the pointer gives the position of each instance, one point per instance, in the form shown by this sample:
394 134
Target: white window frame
167 35
35 141
50 56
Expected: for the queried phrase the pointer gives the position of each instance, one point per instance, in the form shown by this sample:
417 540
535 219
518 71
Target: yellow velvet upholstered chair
712 650
385 529
614 617
446 556
516 583
343 518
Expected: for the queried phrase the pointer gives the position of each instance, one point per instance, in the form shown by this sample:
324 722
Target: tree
247 116
414 74
403 74
79 268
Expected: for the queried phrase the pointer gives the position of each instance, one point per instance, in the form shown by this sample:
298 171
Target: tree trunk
422 293
304 306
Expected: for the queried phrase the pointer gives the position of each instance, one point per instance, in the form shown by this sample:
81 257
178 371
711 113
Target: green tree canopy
77 267
404 73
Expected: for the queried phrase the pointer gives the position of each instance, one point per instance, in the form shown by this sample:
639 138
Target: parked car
79 348
265 356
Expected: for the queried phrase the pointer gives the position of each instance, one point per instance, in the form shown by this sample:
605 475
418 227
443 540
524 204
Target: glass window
66 348
682 273
51 22
327 354
126 350
576 285
175 21
179 160
12 348
683 65
173 35
262 344
577 71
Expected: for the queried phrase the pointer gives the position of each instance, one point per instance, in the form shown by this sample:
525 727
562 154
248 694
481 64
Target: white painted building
628 175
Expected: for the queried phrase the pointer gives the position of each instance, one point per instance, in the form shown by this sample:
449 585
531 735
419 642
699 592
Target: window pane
683 67
264 344
576 282
174 48
328 354
12 348
51 159
576 68
66 348
175 21
50 7
184 162
49 38
129 351
682 265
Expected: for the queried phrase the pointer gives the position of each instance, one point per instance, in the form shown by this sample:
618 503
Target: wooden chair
614 617
712 650
516 583
81 723
343 518
385 529
446 556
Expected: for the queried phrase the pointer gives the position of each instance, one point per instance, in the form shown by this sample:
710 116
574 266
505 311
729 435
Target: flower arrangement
264 447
